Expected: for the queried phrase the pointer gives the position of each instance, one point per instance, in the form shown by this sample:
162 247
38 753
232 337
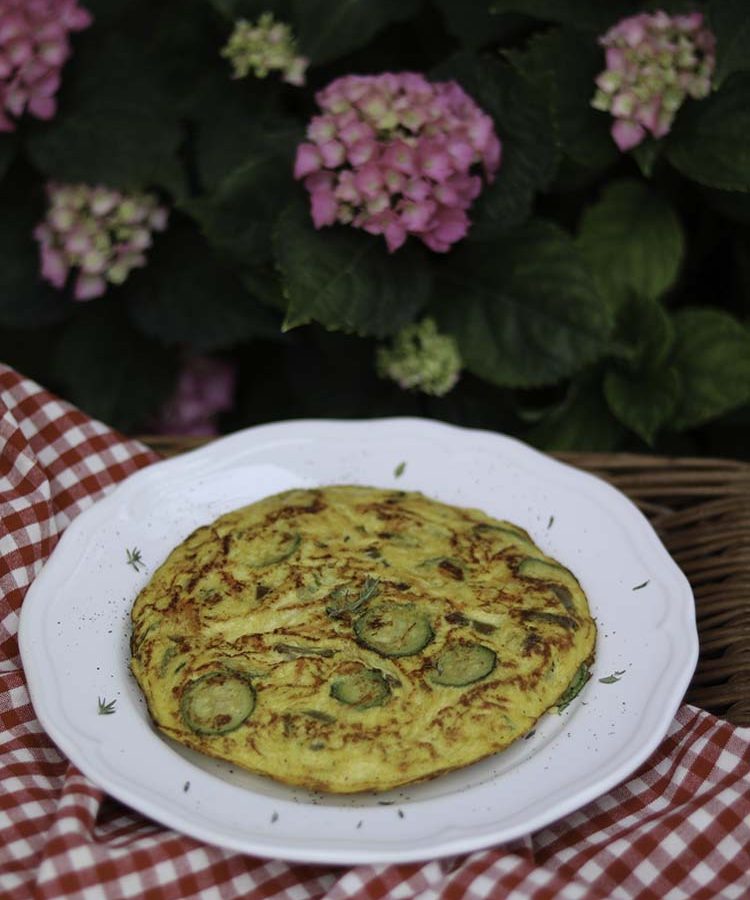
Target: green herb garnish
135 559
639 586
320 716
551 522
611 679
106 709
294 652
575 687
399 470
369 590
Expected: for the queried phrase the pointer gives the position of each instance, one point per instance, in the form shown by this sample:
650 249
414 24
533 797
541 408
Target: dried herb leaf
134 558
294 652
105 708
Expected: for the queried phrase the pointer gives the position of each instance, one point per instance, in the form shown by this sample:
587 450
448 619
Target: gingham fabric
678 828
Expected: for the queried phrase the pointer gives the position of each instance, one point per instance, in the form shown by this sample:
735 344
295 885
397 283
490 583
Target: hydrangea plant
99 233
395 154
433 196
205 388
34 46
654 63
420 358
262 47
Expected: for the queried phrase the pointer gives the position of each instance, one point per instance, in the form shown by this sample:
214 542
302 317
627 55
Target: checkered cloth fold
678 828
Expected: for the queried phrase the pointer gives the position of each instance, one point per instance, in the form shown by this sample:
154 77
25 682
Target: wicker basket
701 510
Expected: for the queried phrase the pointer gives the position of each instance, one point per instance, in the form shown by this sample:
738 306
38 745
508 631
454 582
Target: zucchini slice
575 687
362 689
217 703
559 579
394 629
461 664
509 536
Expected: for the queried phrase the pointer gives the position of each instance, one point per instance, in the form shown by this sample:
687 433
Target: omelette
350 638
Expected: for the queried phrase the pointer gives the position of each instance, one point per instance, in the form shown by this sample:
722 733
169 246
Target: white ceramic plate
74 635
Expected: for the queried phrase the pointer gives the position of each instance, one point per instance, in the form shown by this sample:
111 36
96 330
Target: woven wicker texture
701 510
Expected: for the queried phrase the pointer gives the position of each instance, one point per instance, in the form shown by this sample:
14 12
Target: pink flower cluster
101 233
654 61
396 155
34 46
205 388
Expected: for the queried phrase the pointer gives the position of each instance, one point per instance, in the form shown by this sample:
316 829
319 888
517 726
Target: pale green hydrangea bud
262 47
420 358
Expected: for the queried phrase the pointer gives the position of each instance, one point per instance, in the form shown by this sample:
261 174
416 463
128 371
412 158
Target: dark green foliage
632 241
525 310
346 281
189 297
562 64
114 373
730 21
25 300
600 301
710 142
328 29
523 124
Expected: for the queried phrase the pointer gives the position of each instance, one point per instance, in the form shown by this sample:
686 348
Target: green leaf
117 124
524 310
730 204
238 217
264 284
475 26
187 296
710 140
8 148
327 29
582 421
712 357
523 125
632 240
642 388
345 279
730 22
644 334
588 14
230 120
562 64
25 300
645 403
110 370
252 9
647 154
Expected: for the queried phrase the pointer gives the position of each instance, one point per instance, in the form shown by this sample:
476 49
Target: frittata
350 638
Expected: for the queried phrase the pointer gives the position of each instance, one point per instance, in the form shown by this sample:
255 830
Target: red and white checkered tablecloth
678 828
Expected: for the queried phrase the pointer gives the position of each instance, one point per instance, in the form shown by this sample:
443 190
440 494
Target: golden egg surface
350 638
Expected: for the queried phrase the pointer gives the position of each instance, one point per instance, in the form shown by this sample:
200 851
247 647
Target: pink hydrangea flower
205 388
34 46
654 62
99 233
397 155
